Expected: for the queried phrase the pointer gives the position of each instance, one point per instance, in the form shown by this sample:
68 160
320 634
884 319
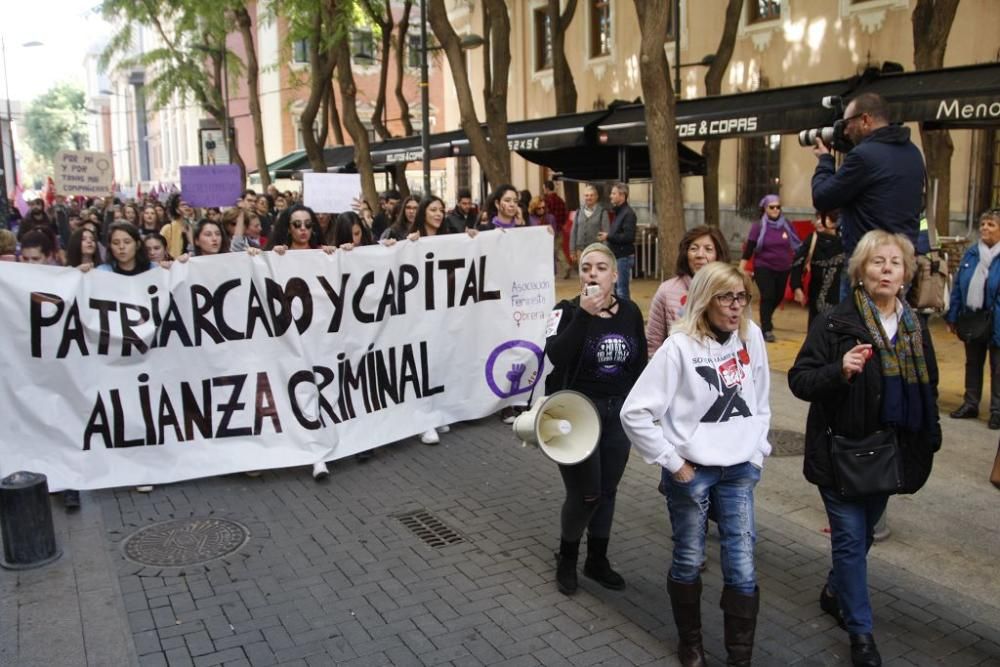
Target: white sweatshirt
702 402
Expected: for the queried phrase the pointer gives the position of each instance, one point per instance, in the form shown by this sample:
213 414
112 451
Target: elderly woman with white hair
700 411
867 369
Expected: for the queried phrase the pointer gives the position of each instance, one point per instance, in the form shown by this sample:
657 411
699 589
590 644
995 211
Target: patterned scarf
907 396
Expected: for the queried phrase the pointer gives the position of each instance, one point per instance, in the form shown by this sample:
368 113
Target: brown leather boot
685 601
740 623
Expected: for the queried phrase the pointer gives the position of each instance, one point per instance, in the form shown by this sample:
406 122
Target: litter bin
29 538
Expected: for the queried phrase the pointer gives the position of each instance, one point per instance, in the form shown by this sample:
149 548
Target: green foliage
190 37
56 120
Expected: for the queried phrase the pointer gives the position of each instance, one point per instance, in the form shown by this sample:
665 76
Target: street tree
399 53
57 120
490 146
932 21
245 25
713 86
380 15
189 58
660 103
562 75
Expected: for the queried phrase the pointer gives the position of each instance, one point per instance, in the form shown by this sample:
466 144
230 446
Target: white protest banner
86 173
330 193
233 362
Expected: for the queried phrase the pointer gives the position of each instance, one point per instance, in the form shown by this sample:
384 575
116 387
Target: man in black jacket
880 183
464 215
621 238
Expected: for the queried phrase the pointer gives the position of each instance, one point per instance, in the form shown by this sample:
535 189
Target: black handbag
866 466
974 325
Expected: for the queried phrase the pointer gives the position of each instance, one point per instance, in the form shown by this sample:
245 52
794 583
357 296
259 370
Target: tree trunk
491 152
400 54
713 86
658 95
253 92
385 24
562 77
334 112
357 130
321 64
932 21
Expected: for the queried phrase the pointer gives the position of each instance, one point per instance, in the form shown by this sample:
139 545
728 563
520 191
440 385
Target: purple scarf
780 223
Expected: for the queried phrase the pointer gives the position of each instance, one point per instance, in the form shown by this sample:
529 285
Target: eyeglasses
727 299
848 119
301 224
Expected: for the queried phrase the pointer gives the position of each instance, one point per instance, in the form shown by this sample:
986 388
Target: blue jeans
625 265
852 524
731 489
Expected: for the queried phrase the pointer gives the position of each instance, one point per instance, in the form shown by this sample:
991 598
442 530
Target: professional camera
833 137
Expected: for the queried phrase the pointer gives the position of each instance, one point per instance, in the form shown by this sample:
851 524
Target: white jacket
702 402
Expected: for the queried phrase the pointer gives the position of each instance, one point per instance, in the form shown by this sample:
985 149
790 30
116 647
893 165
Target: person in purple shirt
771 242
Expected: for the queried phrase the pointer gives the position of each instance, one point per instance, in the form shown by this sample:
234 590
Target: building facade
779 43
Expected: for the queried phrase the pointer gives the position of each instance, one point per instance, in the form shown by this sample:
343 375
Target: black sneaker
71 499
994 422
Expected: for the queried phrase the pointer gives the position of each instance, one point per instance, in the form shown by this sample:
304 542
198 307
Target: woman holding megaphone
597 346
700 411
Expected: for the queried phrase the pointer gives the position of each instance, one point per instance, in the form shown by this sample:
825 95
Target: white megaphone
565 426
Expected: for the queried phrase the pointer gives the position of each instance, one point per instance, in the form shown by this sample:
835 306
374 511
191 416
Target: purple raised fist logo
514 368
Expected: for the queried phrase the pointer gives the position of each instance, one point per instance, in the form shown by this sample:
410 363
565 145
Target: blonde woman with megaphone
597 346
700 411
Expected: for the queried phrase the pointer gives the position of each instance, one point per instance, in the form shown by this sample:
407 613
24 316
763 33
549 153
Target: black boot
740 622
864 652
828 603
566 566
597 566
685 601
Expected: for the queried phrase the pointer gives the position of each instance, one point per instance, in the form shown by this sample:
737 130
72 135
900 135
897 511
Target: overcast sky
67 29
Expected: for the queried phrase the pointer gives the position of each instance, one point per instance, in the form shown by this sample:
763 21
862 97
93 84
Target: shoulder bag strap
809 257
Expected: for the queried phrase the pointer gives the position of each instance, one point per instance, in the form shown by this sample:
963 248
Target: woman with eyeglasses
700 411
772 242
405 219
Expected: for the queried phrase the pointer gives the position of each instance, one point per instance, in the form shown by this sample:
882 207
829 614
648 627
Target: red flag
49 191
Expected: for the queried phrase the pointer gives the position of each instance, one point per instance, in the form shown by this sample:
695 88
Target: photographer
880 183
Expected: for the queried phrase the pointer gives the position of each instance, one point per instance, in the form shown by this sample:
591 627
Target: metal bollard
29 538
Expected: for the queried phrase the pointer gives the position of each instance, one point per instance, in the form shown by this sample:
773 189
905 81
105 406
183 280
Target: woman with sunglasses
700 411
297 228
772 242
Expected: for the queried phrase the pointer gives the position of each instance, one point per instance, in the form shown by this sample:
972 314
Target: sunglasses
299 224
774 207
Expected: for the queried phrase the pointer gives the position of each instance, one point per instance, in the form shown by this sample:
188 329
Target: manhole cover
185 542
429 528
787 443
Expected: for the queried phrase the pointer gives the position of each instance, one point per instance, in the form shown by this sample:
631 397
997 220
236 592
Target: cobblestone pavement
331 576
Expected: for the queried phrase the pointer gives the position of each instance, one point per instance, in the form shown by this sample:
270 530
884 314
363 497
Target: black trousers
772 290
976 352
591 485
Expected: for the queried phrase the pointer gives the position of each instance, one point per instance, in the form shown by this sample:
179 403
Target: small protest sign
86 173
211 185
330 193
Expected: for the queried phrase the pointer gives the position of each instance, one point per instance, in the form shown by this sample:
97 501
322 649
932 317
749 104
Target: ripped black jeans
592 484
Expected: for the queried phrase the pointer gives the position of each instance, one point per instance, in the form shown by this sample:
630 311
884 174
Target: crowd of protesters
690 389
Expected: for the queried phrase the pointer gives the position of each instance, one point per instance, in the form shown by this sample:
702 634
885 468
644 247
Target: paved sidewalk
330 576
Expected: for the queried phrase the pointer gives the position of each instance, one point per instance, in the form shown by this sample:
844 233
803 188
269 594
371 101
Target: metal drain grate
429 528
